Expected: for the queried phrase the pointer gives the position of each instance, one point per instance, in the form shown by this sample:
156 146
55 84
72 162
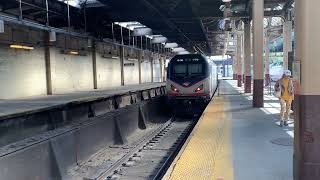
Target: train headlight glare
200 88
174 89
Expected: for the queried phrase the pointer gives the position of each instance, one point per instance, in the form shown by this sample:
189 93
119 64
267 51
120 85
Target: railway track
152 155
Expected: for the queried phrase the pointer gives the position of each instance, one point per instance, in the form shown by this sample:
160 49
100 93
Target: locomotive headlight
174 89
200 88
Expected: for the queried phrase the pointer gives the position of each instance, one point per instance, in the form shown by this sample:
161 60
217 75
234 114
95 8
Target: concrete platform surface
10 107
233 141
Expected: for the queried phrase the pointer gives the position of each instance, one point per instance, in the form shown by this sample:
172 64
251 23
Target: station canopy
196 25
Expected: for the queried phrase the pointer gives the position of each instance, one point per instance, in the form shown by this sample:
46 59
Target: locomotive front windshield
188 68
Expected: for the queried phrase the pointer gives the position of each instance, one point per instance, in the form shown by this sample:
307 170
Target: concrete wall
70 73
131 72
146 71
156 71
22 72
108 72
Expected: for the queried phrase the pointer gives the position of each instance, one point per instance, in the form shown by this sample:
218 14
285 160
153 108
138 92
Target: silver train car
191 82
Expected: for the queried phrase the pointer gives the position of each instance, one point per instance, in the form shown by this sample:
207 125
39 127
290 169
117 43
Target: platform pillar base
239 80
258 93
235 76
307 136
247 84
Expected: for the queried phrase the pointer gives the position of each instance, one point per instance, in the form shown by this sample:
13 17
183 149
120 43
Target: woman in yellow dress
286 89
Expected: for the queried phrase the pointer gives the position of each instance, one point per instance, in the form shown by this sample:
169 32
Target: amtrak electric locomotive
191 82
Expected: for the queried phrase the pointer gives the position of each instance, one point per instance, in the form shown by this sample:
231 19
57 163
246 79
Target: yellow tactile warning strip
207 154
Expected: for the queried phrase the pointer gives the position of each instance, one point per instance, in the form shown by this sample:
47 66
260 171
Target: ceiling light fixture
171 45
184 52
142 31
178 49
16 46
159 39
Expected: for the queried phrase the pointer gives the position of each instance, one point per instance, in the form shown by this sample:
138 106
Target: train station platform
14 107
233 141
27 117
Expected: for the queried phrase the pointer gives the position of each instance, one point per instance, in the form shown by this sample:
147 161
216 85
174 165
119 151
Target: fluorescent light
74 52
16 46
107 55
132 59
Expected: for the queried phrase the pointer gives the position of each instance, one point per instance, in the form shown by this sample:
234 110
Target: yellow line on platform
207 154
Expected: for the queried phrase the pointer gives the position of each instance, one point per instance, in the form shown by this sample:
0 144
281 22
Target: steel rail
126 157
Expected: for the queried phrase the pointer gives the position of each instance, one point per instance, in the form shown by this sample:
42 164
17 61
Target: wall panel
108 72
131 72
146 71
22 72
70 73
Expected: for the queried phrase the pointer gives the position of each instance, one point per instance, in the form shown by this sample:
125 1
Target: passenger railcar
191 82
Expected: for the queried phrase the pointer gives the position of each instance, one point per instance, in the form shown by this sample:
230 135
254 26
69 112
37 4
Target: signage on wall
128 64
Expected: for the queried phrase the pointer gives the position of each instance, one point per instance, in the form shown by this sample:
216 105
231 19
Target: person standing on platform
284 90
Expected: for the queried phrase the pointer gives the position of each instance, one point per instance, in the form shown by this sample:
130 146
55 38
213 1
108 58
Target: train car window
195 69
188 70
180 69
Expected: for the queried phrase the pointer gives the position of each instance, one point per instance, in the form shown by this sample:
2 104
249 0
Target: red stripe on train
186 95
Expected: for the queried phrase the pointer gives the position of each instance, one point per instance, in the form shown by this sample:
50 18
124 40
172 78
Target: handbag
277 94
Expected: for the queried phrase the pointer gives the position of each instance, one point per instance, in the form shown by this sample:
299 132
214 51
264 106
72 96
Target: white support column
242 57
287 28
267 58
247 56
307 98
258 15
239 61
234 67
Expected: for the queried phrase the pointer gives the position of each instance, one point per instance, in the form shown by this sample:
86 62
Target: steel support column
122 64
139 64
247 56
234 67
94 65
161 69
239 61
306 106
151 60
258 74
47 62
